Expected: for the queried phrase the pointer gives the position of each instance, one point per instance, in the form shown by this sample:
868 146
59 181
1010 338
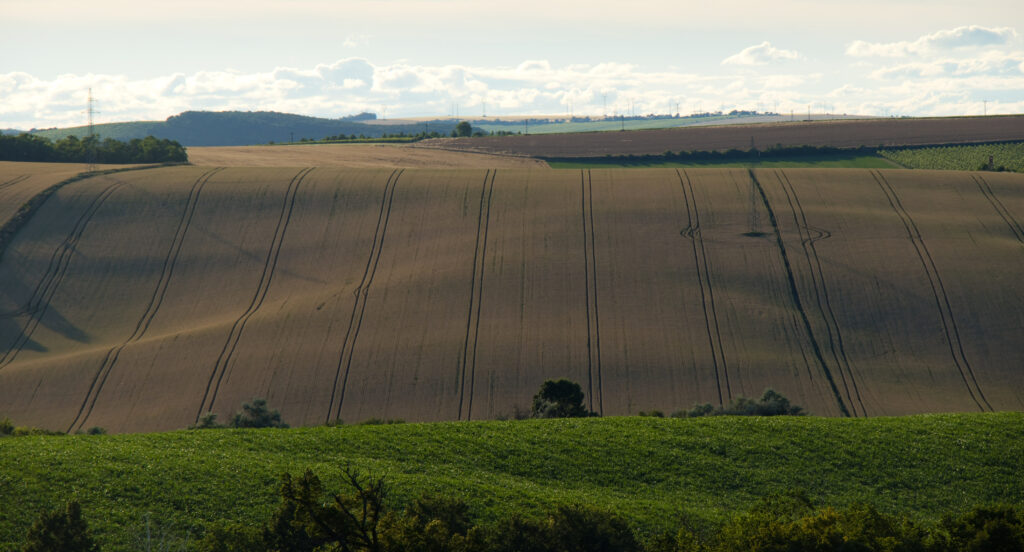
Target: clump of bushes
62 530
771 403
790 522
255 414
559 399
8 429
361 517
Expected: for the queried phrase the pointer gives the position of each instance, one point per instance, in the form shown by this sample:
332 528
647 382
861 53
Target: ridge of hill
655 472
242 128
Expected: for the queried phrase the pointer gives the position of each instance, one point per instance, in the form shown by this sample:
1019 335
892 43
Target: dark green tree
559 399
343 522
433 524
581 529
986 528
257 414
463 129
60 531
232 537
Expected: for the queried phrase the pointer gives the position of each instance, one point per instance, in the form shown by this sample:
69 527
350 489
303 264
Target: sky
148 60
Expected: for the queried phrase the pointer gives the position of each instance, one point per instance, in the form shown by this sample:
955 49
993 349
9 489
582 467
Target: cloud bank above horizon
956 71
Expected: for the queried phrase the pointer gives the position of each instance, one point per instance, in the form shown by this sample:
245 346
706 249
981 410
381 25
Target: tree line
91 149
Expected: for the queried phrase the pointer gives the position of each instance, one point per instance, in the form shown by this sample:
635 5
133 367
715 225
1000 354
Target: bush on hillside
60 531
257 414
8 429
233 537
310 519
771 403
207 421
984 528
351 521
433 524
559 399
858 528
582 529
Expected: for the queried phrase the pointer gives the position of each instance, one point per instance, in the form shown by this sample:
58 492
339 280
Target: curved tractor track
942 304
822 300
13 181
590 281
360 294
476 287
266 277
1011 222
707 291
43 293
155 300
797 302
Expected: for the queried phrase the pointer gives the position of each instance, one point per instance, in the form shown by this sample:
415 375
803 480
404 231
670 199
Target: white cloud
760 54
972 36
993 64
352 85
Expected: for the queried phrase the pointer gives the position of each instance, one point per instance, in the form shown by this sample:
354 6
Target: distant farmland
842 134
138 301
351 155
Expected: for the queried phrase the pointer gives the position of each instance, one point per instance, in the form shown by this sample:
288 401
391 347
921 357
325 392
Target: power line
91 153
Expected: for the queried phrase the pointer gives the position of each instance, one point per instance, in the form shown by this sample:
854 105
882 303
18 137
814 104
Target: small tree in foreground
60 531
335 522
559 399
257 414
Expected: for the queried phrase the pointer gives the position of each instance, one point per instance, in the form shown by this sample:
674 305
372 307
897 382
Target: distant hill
240 128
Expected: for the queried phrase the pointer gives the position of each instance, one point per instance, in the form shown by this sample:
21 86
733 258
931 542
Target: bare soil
138 301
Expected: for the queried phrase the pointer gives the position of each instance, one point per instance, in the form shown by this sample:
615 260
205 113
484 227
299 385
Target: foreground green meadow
653 471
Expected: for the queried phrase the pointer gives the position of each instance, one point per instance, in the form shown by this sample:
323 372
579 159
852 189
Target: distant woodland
71 149
241 128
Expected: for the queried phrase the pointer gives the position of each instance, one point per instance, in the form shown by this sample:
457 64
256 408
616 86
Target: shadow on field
20 314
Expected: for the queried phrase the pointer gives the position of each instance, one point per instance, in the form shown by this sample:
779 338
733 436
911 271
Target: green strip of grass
651 470
823 161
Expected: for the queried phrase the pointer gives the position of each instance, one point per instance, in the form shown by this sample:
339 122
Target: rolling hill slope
139 301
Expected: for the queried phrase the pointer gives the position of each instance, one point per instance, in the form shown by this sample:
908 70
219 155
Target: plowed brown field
837 133
19 182
139 301
352 155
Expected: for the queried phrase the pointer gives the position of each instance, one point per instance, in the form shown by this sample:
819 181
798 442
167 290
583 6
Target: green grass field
959 158
815 161
654 471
